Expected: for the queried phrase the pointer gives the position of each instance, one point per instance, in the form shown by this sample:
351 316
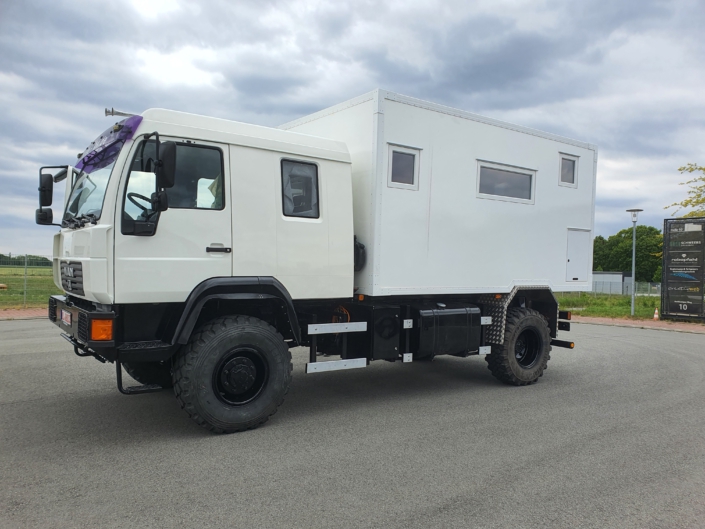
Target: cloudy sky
626 75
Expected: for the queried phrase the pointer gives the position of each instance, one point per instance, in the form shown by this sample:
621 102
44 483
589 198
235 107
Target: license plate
66 317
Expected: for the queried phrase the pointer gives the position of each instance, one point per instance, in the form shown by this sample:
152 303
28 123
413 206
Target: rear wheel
150 372
233 374
523 356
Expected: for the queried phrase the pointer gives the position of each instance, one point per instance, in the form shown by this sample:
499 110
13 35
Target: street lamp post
635 215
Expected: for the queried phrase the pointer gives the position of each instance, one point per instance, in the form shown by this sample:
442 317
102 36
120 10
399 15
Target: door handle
220 249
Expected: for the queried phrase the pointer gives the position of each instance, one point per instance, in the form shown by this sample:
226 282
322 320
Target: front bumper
76 327
75 322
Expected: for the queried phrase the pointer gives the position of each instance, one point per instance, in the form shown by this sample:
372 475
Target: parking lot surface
613 435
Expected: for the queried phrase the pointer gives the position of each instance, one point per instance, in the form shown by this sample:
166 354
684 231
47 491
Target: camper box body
443 232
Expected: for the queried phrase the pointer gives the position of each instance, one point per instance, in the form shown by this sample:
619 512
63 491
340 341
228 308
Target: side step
335 365
133 390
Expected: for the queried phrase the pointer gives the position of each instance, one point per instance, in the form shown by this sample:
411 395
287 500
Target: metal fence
615 288
25 280
618 288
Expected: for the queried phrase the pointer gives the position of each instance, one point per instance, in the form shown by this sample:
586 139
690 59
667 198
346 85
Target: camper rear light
101 330
564 315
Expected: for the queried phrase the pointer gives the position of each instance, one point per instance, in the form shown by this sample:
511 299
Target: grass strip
40 285
608 305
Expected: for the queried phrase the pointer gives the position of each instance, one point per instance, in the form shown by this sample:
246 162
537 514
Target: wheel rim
240 376
527 349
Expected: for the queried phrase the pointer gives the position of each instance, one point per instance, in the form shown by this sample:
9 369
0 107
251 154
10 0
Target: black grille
52 309
72 277
82 327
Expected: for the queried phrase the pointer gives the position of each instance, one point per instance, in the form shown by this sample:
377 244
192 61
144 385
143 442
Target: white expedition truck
195 252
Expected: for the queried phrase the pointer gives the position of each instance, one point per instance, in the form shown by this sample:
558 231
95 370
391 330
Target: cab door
193 238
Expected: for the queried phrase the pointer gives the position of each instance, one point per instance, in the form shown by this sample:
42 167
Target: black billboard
683 260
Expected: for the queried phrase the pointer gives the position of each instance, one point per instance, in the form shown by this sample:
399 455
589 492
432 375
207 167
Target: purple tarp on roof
105 148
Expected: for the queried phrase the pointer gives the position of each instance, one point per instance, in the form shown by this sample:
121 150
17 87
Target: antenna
113 112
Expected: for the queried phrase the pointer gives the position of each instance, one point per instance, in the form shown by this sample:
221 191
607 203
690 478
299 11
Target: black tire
522 359
233 374
150 372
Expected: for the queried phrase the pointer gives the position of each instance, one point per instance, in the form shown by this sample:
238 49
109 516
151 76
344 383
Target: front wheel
523 356
233 374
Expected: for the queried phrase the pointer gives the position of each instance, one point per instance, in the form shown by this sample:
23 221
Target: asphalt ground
613 435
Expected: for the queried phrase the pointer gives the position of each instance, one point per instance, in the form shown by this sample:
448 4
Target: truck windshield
88 192
96 165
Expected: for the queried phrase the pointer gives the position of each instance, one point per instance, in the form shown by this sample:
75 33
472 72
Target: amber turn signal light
101 330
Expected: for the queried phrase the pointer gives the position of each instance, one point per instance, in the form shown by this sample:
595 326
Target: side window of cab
198 182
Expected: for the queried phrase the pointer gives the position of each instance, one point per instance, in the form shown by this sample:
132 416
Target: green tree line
614 254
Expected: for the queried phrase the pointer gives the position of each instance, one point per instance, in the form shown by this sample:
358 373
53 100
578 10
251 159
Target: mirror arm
156 134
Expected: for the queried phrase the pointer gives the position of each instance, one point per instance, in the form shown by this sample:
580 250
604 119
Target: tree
696 193
614 254
599 253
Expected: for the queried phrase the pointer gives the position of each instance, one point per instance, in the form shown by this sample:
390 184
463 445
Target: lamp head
635 213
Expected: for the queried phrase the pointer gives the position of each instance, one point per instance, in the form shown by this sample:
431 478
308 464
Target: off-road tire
505 361
199 368
150 372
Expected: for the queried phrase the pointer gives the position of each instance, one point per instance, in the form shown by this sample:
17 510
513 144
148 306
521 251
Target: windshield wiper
80 221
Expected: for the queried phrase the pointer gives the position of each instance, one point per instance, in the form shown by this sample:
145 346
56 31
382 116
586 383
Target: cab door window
198 182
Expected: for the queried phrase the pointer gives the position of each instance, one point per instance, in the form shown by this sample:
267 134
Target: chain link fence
26 281
625 288
615 288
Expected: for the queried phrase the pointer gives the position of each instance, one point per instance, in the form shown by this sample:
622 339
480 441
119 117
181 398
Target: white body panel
444 237
168 265
311 257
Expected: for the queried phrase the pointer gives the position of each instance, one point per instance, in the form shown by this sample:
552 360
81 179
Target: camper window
569 170
506 182
300 189
403 167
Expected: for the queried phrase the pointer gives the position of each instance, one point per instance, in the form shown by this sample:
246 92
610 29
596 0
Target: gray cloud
624 75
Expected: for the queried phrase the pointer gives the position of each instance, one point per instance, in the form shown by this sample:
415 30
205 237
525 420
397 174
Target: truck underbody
514 331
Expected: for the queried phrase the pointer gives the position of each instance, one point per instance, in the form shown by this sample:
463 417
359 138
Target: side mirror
166 168
160 201
46 190
44 216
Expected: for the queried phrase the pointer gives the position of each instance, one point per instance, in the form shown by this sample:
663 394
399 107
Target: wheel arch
541 300
251 296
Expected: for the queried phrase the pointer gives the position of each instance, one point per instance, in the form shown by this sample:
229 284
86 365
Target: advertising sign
683 262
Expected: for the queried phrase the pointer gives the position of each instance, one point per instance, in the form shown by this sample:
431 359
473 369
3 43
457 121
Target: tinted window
403 167
505 183
567 171
199 178
300 189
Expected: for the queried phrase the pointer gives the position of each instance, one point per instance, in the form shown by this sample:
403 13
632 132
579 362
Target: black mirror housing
166 169
44 217
160 201
61 175
46 190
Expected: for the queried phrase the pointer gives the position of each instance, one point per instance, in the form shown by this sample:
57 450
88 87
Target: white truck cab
196 251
